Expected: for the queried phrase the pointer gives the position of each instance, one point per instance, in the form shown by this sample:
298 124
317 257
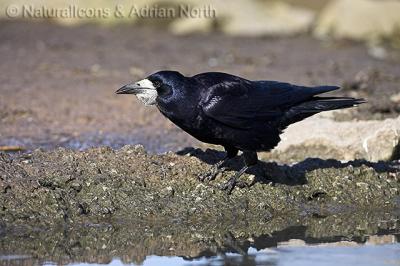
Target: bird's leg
250 159
218 167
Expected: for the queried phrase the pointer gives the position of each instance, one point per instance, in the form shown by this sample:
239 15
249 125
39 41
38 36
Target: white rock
359 19
248 18
380 144
373 140
191 25
265 18
395 98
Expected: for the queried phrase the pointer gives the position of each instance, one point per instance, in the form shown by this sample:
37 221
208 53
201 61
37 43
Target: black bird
231 111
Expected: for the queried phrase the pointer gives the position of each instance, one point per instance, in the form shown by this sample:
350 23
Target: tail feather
316 105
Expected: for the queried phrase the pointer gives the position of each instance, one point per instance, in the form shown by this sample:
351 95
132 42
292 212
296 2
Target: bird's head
158 86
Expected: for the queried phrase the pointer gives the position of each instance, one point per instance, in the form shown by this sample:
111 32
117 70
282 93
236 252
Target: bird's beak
139 87
132 88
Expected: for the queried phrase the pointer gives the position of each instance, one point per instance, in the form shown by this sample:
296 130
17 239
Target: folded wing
244 104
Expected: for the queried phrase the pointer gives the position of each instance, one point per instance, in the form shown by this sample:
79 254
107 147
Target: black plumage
234 112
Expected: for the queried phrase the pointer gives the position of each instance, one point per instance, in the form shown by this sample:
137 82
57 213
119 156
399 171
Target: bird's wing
244 104
235 104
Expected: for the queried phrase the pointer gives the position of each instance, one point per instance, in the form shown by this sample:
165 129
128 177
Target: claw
229 185
211 175
233 181
207 176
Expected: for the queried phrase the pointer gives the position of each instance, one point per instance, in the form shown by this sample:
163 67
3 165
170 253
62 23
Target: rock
381 144
265 19
372 140
63 183
243 18
395 98
236 17
366 20
190 25
377 52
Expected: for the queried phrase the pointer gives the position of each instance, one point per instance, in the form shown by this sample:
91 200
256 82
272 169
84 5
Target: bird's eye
157 84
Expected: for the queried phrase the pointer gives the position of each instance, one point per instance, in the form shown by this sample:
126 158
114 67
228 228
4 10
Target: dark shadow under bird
234 112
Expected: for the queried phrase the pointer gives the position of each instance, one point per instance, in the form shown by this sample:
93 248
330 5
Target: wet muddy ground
84 204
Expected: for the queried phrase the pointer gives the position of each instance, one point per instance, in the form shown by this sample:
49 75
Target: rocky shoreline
66 186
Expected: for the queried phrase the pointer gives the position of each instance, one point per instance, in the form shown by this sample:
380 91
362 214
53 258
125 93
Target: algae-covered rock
70 186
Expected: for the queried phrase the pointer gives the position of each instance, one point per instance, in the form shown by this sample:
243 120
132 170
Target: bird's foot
211 175
229 185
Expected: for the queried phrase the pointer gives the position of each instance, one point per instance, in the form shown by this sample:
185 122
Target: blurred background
61 61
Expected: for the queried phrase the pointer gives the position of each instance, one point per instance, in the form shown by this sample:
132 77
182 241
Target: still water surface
295 245
380 255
